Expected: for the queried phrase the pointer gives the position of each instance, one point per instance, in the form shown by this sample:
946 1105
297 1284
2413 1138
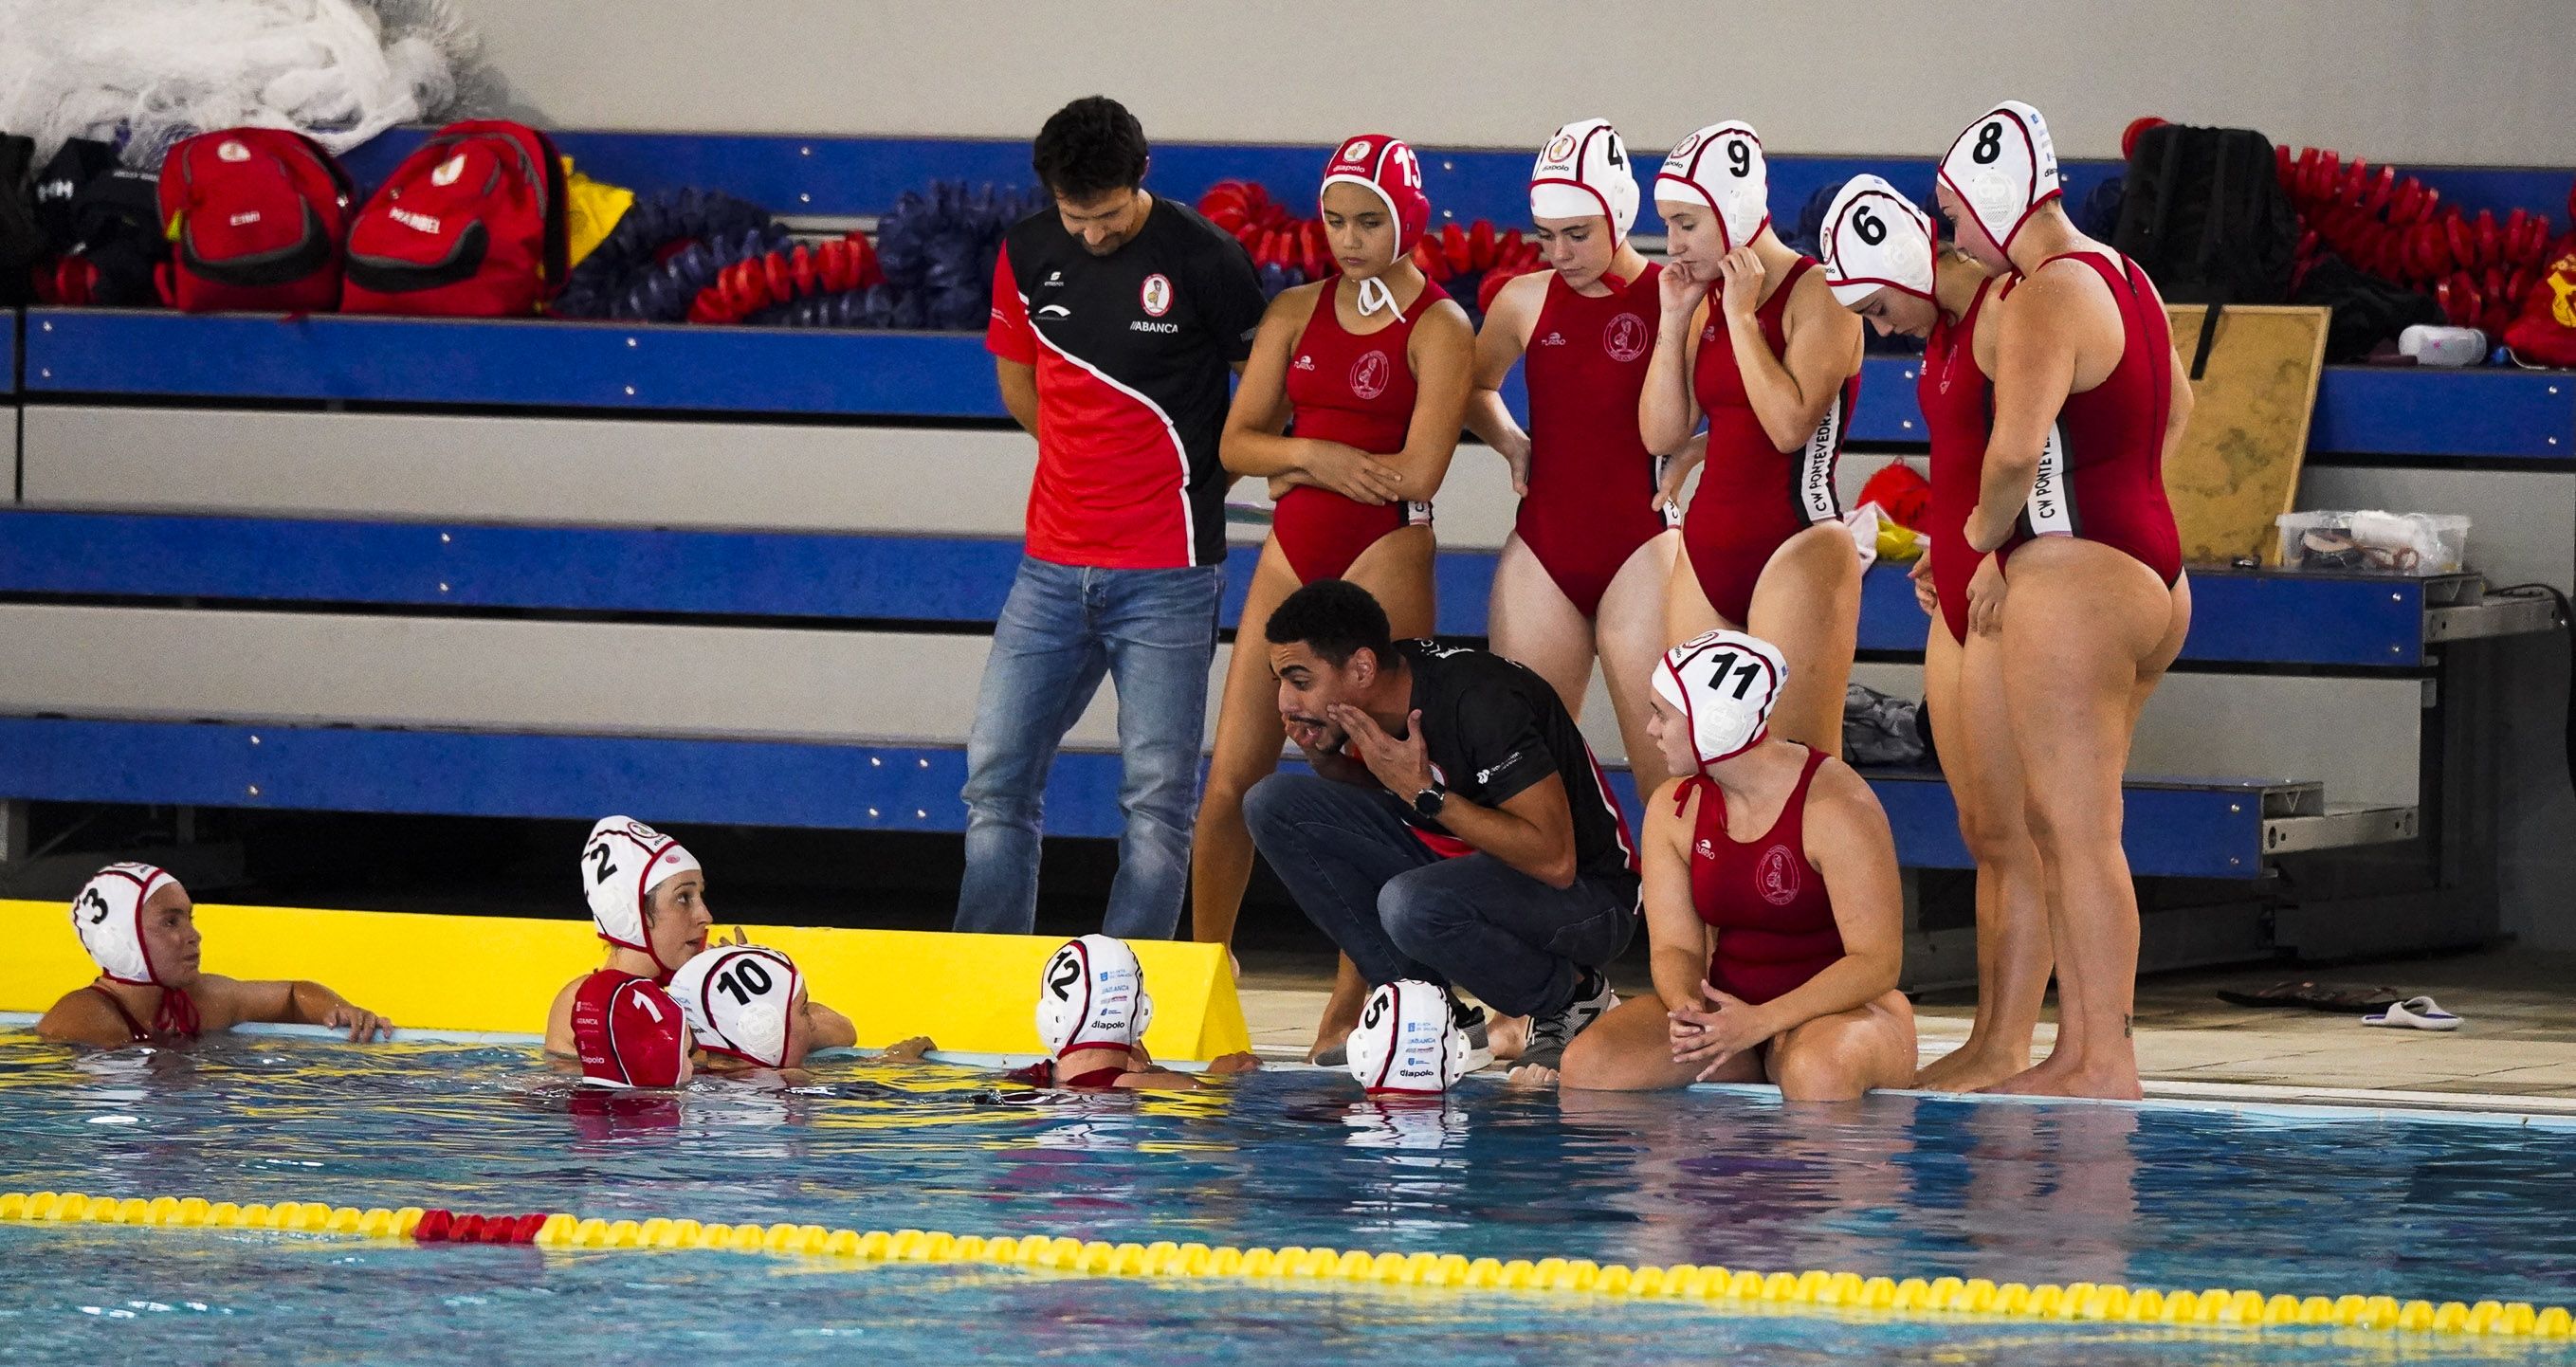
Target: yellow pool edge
1813 1289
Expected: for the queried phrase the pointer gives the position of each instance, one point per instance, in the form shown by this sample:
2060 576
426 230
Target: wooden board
2238 465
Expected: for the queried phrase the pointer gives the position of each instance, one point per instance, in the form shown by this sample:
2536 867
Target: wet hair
1335 618
1090 148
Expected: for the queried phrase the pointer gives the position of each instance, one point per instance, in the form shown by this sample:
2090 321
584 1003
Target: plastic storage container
2373 542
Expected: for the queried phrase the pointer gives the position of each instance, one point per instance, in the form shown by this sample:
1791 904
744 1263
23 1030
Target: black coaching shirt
1492 728
1133 352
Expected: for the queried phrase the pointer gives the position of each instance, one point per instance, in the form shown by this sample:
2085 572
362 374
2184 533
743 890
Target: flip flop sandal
2414 1013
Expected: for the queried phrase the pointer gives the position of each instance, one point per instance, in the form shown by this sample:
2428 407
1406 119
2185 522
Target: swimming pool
1895 1186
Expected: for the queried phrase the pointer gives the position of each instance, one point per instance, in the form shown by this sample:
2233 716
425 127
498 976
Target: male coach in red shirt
1117 316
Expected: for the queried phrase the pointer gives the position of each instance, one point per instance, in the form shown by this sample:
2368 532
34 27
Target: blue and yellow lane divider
2079 1301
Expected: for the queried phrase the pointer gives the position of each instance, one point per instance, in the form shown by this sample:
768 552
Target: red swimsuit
1958 415
1753 496
1775 924
2102 474
176 1020
1591 479
1356 390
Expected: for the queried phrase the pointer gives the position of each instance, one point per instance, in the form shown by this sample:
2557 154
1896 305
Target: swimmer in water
648 897
630 1034
1092 1013
1408 1044
140 926
747 1006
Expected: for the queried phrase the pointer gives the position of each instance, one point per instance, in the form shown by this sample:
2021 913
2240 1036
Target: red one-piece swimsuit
1357 390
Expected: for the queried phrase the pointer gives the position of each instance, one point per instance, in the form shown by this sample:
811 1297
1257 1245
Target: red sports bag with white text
472 225
255 218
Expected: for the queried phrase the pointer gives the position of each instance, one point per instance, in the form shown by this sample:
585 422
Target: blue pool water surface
1897 1186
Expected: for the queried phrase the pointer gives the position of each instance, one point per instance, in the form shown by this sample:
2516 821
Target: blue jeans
1401 911
1062 629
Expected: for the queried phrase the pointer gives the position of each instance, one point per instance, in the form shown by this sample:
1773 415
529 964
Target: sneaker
1470 1020
1548 1035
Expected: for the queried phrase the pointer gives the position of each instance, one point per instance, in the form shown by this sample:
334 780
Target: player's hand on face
1404 766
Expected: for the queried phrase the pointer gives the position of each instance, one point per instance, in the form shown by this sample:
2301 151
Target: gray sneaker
1548 1035
1471 1023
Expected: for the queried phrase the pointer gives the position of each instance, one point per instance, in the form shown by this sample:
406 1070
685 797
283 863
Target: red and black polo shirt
1132 352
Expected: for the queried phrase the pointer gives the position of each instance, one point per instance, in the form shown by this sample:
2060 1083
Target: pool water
1895 1186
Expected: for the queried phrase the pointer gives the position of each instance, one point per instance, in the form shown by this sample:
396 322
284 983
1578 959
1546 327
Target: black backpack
2202 210
22 243
2368 311
88 205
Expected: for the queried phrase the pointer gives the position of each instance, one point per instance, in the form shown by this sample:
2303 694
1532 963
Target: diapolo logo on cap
1091 995
1408 1042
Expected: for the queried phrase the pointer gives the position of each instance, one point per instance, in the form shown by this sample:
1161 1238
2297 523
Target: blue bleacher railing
2302 620
2191 830
2503 415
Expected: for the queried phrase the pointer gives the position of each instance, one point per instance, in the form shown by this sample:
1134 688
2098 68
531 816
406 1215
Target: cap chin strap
1375 295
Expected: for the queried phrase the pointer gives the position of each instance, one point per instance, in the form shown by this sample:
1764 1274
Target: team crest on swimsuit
1626 338
1370 373
1156 296
1778 876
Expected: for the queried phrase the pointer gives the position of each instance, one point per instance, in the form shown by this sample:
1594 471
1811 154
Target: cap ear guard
1875 238
739 1001
1584 170
1724 684
107 914
2003 168
1091 995
621 864
1407 1043
1722 167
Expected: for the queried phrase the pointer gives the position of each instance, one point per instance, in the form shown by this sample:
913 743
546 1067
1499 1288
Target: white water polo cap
739 1000
1723 684
1407 1042
1721 166
1092 996
108 915
2002 169
1874 239
1584 171
621 864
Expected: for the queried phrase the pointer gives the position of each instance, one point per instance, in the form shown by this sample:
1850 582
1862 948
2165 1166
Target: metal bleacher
745 576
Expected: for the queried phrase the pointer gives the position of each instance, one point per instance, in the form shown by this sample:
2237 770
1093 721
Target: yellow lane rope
2079 1301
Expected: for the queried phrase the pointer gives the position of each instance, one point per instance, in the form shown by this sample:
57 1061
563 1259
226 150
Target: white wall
2410 81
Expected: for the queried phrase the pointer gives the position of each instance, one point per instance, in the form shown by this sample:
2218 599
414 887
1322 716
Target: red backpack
256 217
472 225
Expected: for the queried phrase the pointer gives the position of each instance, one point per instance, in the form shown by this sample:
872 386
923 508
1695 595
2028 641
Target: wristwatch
1426 803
